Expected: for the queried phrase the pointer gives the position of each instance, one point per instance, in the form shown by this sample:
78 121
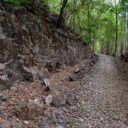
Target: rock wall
31 46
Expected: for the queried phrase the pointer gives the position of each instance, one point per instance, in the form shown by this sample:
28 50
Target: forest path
108 96
100 99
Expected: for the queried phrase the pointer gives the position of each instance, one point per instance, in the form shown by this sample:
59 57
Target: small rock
71 79
66 110
26 122
116 117
77 71
70 99
59 100
3 97
91 64
60 127
36 101
60 121
80 119
49 99
5 125
46 82
4 77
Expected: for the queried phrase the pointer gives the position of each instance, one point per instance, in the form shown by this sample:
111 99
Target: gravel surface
109 95
101 99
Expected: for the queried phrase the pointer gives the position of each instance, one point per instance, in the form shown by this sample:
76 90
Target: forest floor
98 99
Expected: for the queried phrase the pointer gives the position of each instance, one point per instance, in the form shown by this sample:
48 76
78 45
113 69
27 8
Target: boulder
59 96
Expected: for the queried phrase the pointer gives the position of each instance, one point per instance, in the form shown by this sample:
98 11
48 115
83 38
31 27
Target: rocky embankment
40 68
31 47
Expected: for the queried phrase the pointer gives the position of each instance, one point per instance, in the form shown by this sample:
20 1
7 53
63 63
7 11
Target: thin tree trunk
78 17
122 48
116 39
126 27
60 19
88 23
89 27
125 34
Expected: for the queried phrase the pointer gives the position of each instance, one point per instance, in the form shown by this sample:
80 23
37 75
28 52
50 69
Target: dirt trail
96 99
101 99
108 96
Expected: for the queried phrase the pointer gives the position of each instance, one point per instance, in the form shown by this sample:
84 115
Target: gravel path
101 100
108 97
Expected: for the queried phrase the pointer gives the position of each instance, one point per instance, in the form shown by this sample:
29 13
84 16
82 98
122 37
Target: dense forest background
103 24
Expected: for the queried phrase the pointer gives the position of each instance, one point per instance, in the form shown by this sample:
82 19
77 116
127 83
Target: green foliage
54 5
95 21
17 2
70 124
86 108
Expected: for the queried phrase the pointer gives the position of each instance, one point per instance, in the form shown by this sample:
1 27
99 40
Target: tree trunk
60 19
78 17
89 27
116 39
126 27
88 23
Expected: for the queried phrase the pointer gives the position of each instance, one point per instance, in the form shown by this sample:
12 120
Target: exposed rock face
31 46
